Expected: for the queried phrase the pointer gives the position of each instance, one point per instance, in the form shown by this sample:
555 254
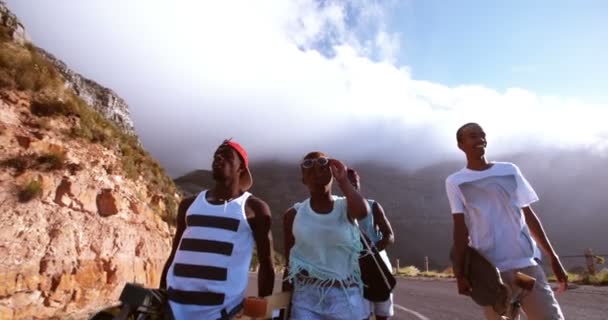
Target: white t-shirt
491 201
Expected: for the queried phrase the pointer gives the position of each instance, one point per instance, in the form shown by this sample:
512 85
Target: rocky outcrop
80 215
87 232
14 28
102 99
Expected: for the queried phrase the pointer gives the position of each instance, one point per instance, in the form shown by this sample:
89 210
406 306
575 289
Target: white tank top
210 271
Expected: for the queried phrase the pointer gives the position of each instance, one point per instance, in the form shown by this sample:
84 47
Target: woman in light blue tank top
322 245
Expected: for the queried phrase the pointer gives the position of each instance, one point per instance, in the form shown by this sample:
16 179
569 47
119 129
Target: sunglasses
309 163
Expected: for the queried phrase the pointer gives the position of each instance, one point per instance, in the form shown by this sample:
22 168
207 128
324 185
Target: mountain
83 207
571 185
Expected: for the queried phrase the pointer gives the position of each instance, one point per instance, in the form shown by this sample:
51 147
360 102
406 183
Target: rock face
102 99
10 21
76 224
71 249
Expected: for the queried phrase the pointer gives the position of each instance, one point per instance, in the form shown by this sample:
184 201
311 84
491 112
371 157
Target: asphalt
437 299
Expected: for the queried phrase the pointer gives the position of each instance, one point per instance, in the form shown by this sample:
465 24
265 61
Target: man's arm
356 205
288 243
384 226
537 231
461 235
179 230
262 221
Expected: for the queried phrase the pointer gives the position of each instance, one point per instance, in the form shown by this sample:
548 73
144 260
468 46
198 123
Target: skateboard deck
487 286
143 301
263 308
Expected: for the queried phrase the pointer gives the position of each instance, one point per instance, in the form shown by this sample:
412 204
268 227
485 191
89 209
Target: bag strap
370 251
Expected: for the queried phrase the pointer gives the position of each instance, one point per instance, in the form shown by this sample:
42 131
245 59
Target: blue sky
550 47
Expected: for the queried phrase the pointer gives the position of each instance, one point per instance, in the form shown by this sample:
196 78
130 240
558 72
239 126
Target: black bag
138 303
378 280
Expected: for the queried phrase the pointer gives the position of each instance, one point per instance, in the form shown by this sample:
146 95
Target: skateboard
264 308
139 303
488 288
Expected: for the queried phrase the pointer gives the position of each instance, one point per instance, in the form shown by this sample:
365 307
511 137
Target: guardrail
591 259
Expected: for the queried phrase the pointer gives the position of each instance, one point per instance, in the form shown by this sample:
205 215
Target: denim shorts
311 302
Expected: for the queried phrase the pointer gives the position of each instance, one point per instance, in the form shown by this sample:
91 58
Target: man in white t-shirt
490 203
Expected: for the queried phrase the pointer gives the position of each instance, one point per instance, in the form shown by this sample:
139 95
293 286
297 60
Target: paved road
437 300
430 299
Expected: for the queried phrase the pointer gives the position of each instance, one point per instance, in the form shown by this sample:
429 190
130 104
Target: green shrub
30 191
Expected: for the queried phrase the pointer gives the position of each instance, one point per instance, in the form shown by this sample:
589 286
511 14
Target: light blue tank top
327 246
367 224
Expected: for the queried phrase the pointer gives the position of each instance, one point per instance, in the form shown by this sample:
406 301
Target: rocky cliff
83 207
102 99
11 26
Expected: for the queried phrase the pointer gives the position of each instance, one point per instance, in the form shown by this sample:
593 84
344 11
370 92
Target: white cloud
287 77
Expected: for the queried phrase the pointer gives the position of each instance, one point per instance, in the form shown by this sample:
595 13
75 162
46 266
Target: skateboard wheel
255 307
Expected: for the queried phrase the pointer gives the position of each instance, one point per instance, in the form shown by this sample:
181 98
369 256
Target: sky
549 47
362 80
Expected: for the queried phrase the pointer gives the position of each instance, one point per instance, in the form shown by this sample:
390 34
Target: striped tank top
209 274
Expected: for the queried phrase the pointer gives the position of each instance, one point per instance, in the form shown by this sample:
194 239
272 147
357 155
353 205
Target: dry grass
598 279
409 271
49 161
136 162
23 68
5 34
29 191
19 163
435 274
412 271
48 106
39 123
53 160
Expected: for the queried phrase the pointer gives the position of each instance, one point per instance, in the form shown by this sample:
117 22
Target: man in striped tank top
207 272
